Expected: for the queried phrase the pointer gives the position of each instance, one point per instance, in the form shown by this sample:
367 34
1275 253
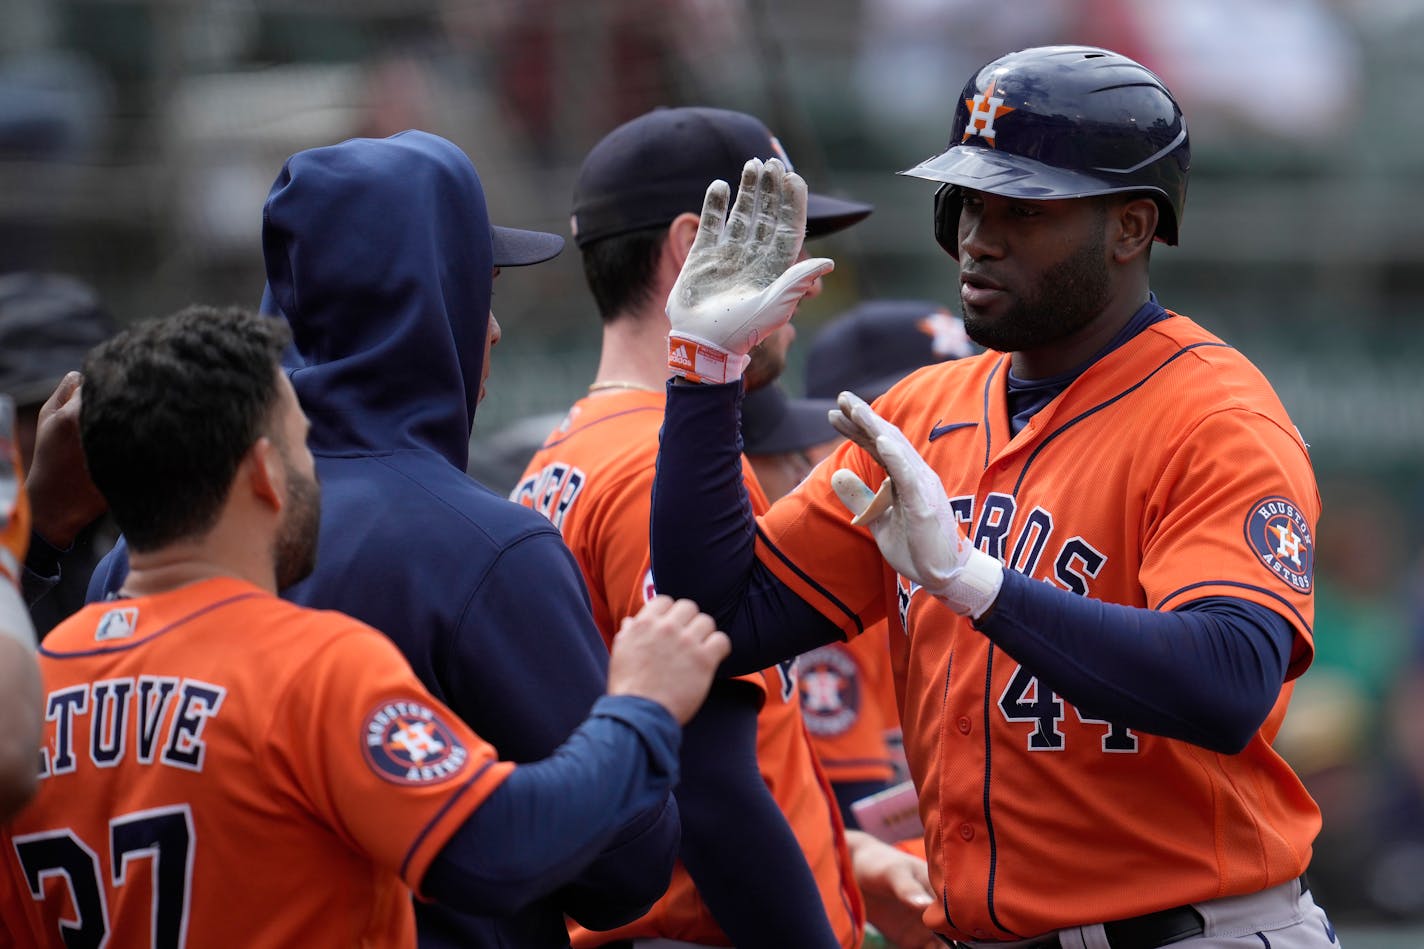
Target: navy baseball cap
774 423
48 322
648 171
875 344
518 248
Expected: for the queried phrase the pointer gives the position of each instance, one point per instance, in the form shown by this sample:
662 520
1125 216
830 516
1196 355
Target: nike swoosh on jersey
939 430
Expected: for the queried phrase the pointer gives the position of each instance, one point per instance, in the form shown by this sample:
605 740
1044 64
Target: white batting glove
910 517
740 280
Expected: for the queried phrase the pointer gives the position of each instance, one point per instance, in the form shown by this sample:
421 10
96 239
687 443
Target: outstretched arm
740 282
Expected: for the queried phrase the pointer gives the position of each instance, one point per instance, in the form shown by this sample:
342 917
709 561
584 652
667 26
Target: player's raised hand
740 280
910 516
667 653
63 497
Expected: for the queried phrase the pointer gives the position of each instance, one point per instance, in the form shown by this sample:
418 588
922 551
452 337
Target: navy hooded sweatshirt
379 254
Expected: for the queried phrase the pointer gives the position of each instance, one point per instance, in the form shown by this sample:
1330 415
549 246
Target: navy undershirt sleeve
543 825
1208 673
737 847
699 493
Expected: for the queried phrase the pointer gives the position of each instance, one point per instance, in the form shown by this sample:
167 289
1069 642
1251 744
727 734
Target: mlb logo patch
1280 536
117 624
407 743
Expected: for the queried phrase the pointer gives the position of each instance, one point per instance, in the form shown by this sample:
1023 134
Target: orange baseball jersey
1165 473
593 478
222 767
848 702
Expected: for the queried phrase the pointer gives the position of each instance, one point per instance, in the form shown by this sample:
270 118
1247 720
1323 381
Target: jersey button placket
966 831
965 726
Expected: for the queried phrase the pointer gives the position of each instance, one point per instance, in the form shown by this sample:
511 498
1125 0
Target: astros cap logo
949 340
1279 534
984 108
777 151
407 743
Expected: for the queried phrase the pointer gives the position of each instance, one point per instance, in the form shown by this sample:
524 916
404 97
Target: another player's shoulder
618 430
605 446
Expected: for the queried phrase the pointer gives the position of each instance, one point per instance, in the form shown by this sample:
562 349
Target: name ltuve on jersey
157 719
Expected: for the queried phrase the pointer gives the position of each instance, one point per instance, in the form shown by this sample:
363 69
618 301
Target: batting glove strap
701 360
973 587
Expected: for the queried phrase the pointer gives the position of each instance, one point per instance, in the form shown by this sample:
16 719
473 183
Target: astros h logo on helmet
984 108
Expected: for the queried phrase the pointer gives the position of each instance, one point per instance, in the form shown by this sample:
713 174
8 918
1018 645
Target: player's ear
264 471
681 233
1131 225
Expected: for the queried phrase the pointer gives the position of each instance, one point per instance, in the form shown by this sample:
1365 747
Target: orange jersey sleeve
209 753
1167 472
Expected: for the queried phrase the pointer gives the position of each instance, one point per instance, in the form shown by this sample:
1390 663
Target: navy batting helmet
1062 122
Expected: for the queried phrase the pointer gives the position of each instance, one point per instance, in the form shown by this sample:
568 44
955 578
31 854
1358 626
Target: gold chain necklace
621 384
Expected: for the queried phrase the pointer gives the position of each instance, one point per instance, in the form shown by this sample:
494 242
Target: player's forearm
629 875
703 534
1208 674
737 846
549 819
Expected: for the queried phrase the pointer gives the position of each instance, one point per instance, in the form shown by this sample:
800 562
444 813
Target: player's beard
296 543
1069 296
768 362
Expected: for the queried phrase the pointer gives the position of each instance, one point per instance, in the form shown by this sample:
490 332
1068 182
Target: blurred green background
138 140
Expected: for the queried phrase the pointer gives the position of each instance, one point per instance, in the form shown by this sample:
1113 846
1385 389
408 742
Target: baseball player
19 678
381 257
223 767
1094 543
744 879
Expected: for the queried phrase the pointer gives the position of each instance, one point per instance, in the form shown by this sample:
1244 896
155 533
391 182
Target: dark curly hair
170 407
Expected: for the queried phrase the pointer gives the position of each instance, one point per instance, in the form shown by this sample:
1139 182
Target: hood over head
378 253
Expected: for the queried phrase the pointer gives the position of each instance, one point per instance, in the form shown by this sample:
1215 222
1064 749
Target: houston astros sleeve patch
406 742
1280 535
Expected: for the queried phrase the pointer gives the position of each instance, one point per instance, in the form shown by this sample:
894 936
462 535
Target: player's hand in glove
668 653
740 280
910 516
